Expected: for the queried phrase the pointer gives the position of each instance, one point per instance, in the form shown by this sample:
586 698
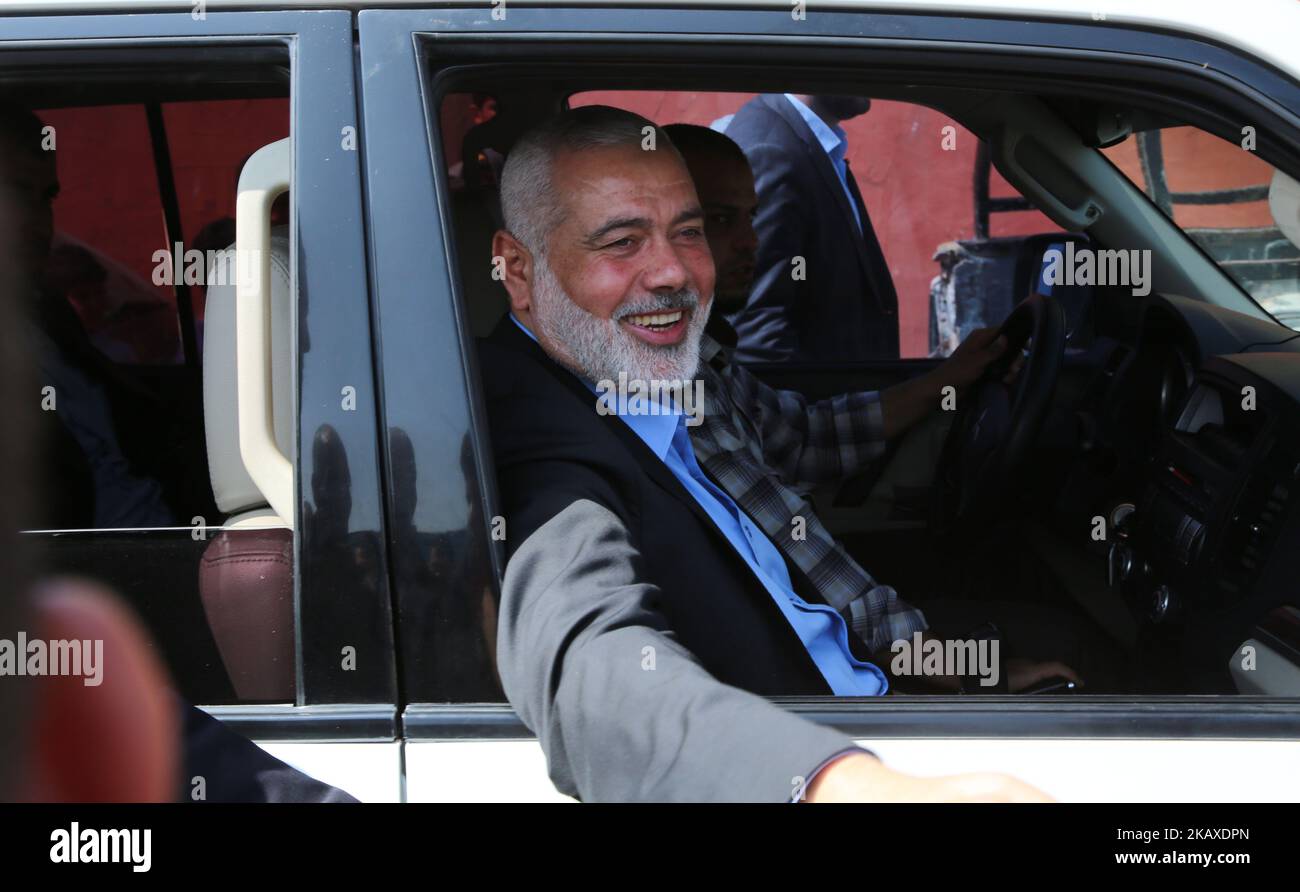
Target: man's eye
720 219
625 242
693 232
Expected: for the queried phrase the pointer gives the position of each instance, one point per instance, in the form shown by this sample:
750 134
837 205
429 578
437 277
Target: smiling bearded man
655 348
644 617
650 328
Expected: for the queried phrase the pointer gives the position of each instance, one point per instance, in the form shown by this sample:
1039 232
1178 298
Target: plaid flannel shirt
767 448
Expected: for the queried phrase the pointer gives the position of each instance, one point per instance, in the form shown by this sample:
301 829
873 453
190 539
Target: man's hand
864 778
972 356
1023 673
906 403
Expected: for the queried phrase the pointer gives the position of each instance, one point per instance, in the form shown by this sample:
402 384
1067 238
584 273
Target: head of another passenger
604 251
724 182
31 181
836 109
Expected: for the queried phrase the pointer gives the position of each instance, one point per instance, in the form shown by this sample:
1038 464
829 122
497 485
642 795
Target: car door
462 741
265 588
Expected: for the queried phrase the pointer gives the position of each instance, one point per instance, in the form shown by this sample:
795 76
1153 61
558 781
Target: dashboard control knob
1162 603
1120 563
1120 515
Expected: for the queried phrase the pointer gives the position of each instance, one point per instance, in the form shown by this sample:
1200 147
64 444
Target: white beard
599 349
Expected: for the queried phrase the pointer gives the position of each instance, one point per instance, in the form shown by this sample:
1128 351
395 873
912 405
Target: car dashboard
1203 418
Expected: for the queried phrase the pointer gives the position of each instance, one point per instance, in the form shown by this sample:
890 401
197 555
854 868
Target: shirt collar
656 431
522 327
833 140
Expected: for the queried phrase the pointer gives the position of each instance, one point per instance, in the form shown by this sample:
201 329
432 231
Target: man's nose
664 270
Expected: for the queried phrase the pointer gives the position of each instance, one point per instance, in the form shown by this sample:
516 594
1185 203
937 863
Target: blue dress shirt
835 142
821 629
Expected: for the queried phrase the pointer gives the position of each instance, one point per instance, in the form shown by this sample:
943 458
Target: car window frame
1017 47
334 611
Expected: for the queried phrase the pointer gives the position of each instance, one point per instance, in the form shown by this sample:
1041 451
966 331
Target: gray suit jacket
631 638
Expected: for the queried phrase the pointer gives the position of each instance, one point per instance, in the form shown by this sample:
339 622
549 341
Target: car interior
1129 484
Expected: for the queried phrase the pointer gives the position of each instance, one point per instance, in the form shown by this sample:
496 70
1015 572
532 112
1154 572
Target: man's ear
513 263
115 741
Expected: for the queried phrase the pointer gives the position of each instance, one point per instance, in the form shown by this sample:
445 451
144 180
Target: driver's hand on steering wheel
1023 673
982 347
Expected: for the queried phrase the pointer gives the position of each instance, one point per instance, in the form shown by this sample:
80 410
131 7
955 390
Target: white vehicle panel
372 772
1076 770
478 771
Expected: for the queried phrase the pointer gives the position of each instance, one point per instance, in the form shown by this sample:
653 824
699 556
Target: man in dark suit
643 614
822 289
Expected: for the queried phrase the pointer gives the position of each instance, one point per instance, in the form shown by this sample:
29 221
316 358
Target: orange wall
1197 161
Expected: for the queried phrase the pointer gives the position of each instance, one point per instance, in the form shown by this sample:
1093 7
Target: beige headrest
234 489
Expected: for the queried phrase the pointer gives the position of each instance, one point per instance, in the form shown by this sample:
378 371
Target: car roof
1265 28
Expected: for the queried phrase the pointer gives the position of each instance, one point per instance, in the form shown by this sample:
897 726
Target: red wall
109 189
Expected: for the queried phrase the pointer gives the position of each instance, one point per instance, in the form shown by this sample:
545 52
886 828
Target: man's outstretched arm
623 711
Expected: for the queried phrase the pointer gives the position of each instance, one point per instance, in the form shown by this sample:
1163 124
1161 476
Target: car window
128 239
1218 193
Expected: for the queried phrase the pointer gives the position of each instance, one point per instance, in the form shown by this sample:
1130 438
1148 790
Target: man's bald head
604 252
530 203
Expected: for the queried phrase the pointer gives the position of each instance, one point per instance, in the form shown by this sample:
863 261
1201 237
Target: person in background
100 486
129 738
724 183
822 289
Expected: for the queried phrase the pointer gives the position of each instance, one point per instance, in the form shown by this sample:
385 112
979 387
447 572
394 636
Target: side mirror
1284 205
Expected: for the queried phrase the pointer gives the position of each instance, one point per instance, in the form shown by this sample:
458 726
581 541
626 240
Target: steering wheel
996 423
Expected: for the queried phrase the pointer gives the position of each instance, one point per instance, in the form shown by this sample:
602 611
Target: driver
644 607
766 448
